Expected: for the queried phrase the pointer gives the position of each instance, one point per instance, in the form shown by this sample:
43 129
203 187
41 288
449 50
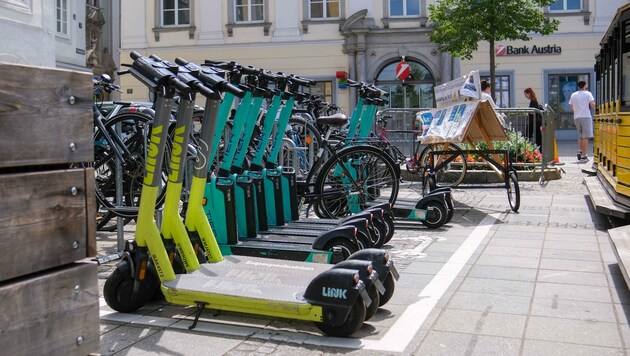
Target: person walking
580 103
535 120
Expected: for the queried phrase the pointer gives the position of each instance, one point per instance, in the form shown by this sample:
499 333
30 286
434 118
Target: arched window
415 92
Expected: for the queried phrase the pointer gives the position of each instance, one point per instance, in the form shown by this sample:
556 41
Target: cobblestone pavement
541 281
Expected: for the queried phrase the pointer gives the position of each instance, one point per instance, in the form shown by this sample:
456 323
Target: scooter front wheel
119 295
353 322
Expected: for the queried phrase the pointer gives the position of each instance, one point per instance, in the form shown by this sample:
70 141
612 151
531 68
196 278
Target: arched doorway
415 92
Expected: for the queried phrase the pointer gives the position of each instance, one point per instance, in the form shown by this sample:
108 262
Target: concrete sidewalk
543 281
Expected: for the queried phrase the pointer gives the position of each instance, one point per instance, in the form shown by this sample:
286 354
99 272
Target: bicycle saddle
337 119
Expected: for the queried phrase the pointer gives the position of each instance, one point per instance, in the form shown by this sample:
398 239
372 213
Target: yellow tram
612 122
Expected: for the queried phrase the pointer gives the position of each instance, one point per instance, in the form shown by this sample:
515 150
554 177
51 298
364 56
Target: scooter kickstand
200 307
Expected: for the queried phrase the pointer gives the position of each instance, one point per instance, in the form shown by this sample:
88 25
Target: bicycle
449 169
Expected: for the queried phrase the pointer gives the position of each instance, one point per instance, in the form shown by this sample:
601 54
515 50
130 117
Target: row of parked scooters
239 247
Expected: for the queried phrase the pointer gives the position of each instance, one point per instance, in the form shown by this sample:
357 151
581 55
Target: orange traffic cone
555 152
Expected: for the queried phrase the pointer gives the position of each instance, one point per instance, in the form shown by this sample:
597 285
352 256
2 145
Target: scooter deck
279 239
293 252
251 277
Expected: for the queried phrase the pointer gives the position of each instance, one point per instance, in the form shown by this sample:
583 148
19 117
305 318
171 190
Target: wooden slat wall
38 123
42 224
51 313
48 301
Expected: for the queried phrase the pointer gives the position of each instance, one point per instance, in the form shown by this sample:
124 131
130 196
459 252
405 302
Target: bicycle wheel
450 168
134 132
513 191
354 179
307 140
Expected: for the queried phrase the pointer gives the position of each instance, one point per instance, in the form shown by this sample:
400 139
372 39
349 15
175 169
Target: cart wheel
347 247
118 292
353 322
513 191
428 184
376 302
389 285
450 208
436 214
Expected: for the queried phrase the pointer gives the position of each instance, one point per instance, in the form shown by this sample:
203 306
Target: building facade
366 39
310 38
551 65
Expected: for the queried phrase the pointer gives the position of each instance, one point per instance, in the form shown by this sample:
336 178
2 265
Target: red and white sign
403 70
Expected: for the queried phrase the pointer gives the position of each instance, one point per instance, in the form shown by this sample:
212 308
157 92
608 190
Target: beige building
366 39
311 38
551 65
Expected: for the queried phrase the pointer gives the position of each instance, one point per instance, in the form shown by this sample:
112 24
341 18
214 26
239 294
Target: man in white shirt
581 103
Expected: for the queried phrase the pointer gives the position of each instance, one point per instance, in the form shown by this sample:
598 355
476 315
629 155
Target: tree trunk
492 69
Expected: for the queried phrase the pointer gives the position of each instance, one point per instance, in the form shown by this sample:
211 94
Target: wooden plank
90 203
620 241
51 313
38 124
602 201
43 220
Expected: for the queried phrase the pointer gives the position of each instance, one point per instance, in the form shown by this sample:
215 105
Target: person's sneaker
579 155
584 158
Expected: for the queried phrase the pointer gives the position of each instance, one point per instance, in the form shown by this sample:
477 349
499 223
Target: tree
459 25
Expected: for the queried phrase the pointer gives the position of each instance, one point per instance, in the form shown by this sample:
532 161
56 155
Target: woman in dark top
535 121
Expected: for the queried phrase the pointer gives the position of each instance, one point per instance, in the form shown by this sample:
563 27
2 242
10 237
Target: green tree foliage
459 25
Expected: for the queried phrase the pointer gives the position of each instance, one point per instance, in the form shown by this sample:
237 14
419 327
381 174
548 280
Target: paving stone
440 343
516 242
497 286
573 309
481 322
570 265
512 251
573 331
520 235
547 348
508 261
573 292
572 245
493 345
572 277
568 254
502 272
510 304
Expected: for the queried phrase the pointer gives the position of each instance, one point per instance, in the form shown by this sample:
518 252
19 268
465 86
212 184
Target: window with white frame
175 12
249 10
566 5
62 17
404 7
324 9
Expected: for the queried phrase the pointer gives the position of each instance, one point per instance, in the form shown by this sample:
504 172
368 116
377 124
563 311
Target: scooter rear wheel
347 247
376 302
353 322
436 214
390 286
119 295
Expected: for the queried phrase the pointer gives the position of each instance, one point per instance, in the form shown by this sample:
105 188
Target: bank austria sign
504 51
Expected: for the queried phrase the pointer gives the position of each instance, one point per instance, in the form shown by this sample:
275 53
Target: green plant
519 148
